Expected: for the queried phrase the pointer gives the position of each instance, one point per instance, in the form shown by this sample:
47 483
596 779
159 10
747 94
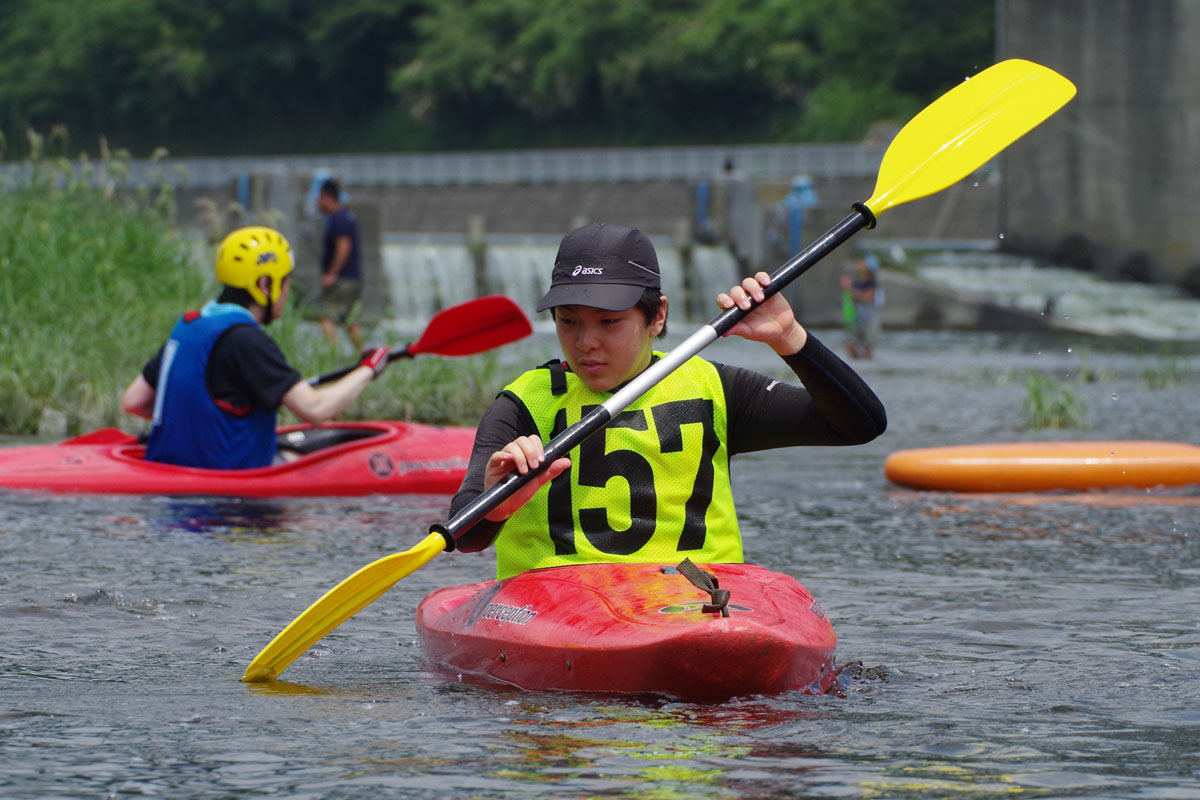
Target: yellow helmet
249 253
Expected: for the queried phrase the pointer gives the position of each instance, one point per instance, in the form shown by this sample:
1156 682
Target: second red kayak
633 629
334 459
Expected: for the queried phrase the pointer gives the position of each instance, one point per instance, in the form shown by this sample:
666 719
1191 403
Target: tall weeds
1050 404
90 278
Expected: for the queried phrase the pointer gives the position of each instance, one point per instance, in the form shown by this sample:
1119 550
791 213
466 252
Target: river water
998 646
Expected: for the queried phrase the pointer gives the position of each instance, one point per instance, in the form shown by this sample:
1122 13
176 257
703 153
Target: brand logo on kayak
504 614
381 465
445 465
582 270
681 608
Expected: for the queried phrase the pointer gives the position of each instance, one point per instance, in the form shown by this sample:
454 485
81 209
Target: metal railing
761 162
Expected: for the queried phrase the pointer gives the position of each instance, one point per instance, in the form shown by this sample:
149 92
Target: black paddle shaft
719 325
329 377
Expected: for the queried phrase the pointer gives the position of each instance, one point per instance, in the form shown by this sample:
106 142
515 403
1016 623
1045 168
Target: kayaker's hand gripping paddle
955 135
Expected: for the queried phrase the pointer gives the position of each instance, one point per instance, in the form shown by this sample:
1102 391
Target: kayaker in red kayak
213 390
654 485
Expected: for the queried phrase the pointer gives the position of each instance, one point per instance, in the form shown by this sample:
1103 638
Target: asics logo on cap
582 270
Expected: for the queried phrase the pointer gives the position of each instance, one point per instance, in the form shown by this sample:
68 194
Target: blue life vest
189 427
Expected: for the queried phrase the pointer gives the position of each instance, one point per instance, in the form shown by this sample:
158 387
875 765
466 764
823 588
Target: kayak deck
1045 466
335 459
633 629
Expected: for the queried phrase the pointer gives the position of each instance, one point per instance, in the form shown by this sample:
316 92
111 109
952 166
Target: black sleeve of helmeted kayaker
833 407
152 367
503 422
247 367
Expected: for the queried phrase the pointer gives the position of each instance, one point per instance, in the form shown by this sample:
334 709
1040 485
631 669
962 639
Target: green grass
93 278
88 285
443 391
1050 404
1165 374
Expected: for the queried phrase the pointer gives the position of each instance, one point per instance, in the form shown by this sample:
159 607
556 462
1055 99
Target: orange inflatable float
1045 466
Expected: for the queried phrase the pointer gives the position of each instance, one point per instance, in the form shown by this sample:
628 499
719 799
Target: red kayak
633 629
334 459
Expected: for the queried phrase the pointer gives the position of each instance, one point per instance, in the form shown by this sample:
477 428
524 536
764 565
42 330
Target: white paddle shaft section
659 370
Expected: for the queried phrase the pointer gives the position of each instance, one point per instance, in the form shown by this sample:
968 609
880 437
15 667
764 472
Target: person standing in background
867 296
341 267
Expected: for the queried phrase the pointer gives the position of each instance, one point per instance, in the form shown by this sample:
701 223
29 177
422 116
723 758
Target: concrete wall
967 210
1109 182
664 209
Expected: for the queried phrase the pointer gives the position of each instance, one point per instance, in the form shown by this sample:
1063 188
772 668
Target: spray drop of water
1116 396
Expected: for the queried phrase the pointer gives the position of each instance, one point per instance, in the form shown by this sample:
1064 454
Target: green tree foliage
690 70
287 75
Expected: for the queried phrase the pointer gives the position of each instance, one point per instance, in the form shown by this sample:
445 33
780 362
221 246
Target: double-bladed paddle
460 330
951 138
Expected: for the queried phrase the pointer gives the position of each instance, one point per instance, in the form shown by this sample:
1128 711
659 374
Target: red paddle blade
473 327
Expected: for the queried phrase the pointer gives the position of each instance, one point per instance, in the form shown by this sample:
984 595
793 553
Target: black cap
603 266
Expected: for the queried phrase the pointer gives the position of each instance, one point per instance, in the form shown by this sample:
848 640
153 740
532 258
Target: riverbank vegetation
1050 403
262 76
89 279
92 277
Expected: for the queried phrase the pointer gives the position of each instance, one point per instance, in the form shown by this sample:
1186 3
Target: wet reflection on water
1029 645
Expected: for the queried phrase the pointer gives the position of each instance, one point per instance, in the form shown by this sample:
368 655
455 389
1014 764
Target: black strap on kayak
706 582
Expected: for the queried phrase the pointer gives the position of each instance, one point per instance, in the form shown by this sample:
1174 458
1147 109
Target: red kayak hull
632 629
390 458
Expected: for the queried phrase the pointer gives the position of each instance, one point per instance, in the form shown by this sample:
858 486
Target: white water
424 277
521 271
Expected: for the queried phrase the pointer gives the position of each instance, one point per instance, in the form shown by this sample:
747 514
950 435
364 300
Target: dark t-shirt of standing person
342 223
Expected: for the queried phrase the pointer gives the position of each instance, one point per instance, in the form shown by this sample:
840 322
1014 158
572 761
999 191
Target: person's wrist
791 341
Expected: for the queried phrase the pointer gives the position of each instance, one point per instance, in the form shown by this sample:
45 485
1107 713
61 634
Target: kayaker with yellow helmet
654 485
212 391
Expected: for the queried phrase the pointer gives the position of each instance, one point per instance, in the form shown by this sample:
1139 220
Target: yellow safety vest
652 486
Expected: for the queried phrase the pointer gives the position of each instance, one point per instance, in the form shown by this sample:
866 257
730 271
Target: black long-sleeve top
834 406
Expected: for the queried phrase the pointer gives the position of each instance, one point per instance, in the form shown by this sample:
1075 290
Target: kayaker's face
606 348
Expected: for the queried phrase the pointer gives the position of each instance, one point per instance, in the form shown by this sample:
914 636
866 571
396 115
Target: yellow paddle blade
339 604
965 128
